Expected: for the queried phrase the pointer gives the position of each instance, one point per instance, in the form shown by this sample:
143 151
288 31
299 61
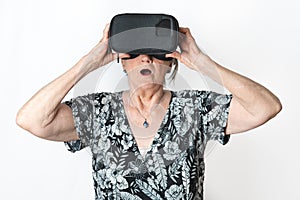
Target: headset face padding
157 56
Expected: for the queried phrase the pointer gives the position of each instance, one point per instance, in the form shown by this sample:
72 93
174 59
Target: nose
146 58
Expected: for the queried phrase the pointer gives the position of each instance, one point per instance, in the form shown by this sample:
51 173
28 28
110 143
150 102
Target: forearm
255 98
41 109
251 105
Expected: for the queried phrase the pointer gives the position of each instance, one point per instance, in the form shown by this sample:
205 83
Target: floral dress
173 167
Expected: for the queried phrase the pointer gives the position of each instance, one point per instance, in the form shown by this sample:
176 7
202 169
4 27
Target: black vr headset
151 34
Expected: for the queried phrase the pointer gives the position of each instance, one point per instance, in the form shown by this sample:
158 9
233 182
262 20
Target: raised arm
44 115
252 104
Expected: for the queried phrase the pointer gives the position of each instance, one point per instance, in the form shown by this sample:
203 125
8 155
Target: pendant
146 124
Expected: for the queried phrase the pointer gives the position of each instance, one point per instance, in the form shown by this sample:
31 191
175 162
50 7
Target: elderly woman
148 142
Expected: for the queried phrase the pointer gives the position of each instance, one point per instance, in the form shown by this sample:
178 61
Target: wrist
83 67
203 62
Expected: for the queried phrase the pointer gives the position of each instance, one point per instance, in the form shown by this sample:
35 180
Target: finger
106 32
175 54
120 55
124 55
185 31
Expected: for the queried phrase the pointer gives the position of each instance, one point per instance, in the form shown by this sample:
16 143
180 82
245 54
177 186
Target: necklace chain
146 124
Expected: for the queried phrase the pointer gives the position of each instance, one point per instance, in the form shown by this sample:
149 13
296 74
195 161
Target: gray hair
175 70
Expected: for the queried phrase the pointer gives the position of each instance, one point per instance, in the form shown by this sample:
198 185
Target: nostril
147 61
147 58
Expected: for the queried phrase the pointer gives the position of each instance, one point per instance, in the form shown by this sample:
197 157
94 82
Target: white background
39 40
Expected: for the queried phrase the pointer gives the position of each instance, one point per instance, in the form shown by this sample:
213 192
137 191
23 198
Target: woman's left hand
190 54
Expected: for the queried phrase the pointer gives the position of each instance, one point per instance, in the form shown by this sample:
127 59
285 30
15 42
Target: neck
145 98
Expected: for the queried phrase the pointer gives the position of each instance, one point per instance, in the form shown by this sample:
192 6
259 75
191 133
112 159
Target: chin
147 85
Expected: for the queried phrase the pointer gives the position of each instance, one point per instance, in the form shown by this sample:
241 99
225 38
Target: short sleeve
83 111
215 119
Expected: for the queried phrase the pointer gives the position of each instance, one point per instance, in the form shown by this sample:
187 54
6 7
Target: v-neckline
157 134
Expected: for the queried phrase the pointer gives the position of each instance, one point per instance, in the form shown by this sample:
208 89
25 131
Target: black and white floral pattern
173 168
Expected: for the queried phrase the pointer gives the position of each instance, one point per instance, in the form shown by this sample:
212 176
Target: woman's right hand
190 54
101 54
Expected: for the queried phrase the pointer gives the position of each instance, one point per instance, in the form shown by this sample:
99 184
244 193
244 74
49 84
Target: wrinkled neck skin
146 97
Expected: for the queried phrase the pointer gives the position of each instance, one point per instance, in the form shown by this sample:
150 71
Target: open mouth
145 72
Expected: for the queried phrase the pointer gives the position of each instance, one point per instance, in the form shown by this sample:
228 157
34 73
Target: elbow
23 120
271 111
279 107
276 108
266 113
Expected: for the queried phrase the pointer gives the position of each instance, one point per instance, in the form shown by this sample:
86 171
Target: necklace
145 124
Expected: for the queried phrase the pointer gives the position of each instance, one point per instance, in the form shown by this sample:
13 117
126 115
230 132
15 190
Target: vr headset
151 34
